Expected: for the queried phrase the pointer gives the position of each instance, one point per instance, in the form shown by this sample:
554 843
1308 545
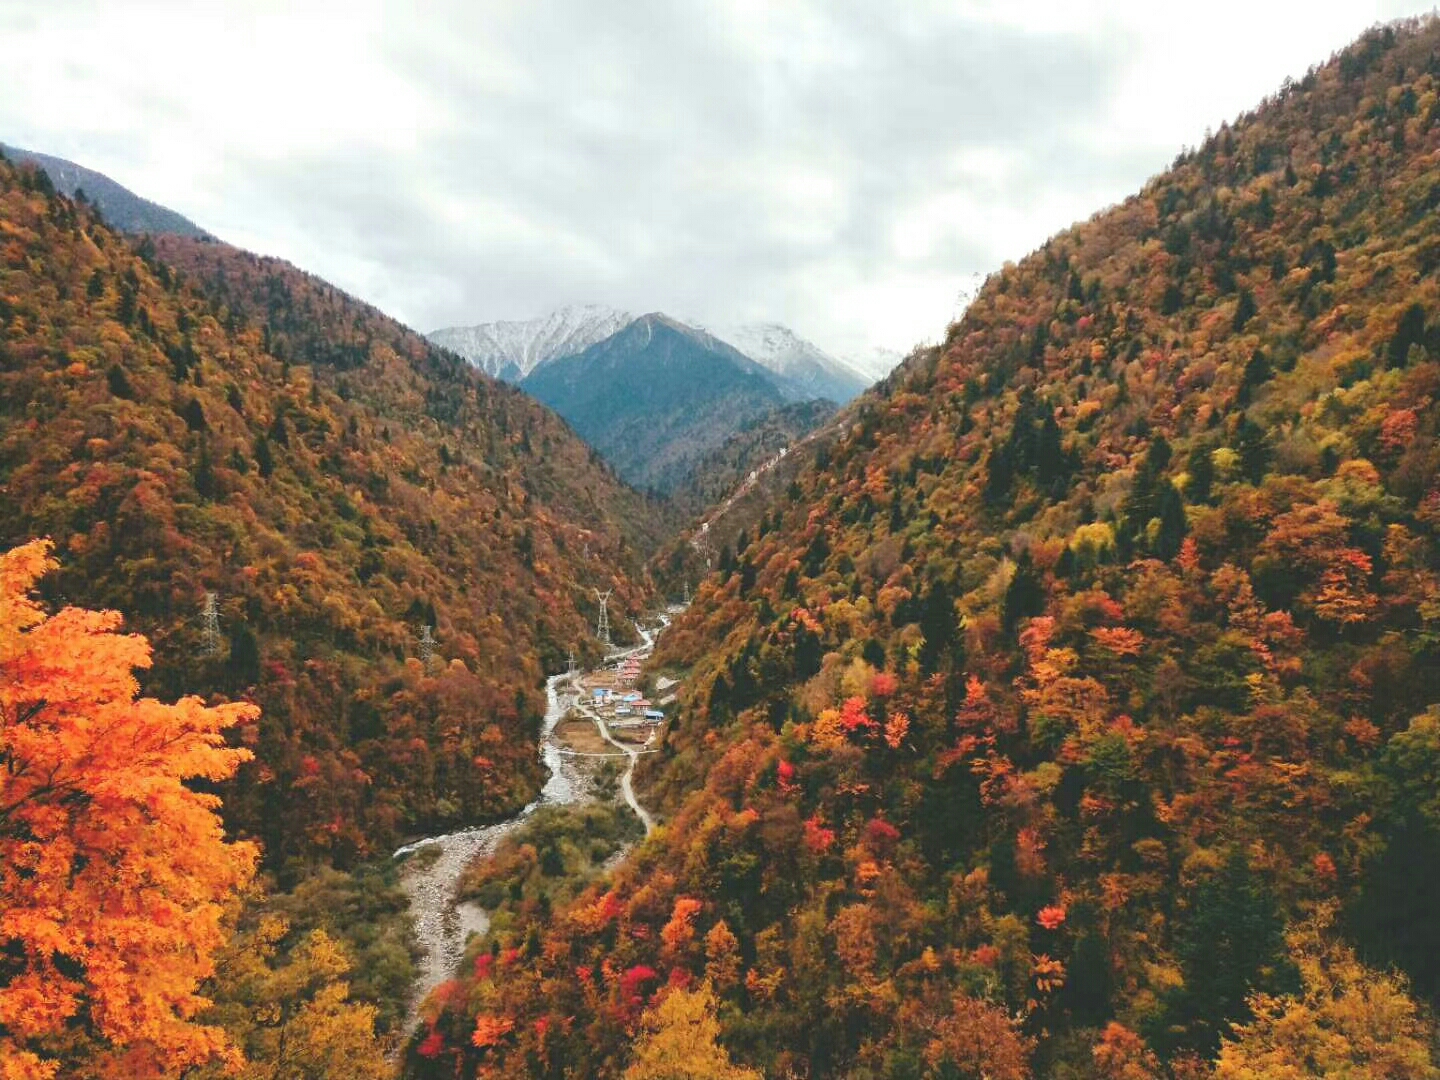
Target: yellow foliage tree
677 1041
292 1016
722 956
1348 1021
113 872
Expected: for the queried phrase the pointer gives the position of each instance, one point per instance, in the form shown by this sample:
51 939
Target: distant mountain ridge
121 207
656 397
802 371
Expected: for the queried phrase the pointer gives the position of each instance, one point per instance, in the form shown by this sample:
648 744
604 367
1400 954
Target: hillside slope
1102 646
729 465
121 207
655 397
338 483
728 495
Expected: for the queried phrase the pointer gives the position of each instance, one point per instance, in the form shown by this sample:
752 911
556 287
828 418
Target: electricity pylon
602 626
427 647
210 626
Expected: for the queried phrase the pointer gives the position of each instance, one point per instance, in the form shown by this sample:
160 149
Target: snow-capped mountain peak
512 349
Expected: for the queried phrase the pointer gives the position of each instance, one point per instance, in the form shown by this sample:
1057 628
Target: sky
849 168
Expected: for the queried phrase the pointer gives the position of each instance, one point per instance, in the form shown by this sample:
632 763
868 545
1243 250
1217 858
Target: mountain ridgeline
121 208
656 397
511 350
804 371
1083 686
185 419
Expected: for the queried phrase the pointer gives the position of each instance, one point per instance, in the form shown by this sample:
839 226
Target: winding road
626 787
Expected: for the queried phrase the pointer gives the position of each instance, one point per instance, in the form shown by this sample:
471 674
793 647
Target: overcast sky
841 166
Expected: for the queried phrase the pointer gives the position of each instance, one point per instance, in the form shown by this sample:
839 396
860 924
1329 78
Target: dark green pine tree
937 624
1230 942
1253 446
1245 310
264 459
1173 525
1024 596
194 414
204 475
244 663
1200 466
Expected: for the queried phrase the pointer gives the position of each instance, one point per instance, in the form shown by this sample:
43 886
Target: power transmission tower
427 647
687 594
210 626
602 627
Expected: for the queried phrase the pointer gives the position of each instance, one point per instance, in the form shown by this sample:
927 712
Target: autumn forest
1067 705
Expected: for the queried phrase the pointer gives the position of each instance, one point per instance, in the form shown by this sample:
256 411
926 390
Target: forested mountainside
239 428
731 490
726 468
1084 688
656 397
121 207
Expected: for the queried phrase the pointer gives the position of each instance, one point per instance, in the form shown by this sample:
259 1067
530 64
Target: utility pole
602 627
210 626
427 647
570 667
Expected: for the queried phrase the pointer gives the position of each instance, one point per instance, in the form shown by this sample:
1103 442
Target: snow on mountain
656 398
510 350
806 371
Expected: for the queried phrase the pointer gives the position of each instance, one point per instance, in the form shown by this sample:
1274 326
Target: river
441 924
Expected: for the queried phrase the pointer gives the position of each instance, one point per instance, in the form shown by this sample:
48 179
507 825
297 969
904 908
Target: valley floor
576 743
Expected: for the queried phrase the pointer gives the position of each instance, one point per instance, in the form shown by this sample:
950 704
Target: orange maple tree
113 872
